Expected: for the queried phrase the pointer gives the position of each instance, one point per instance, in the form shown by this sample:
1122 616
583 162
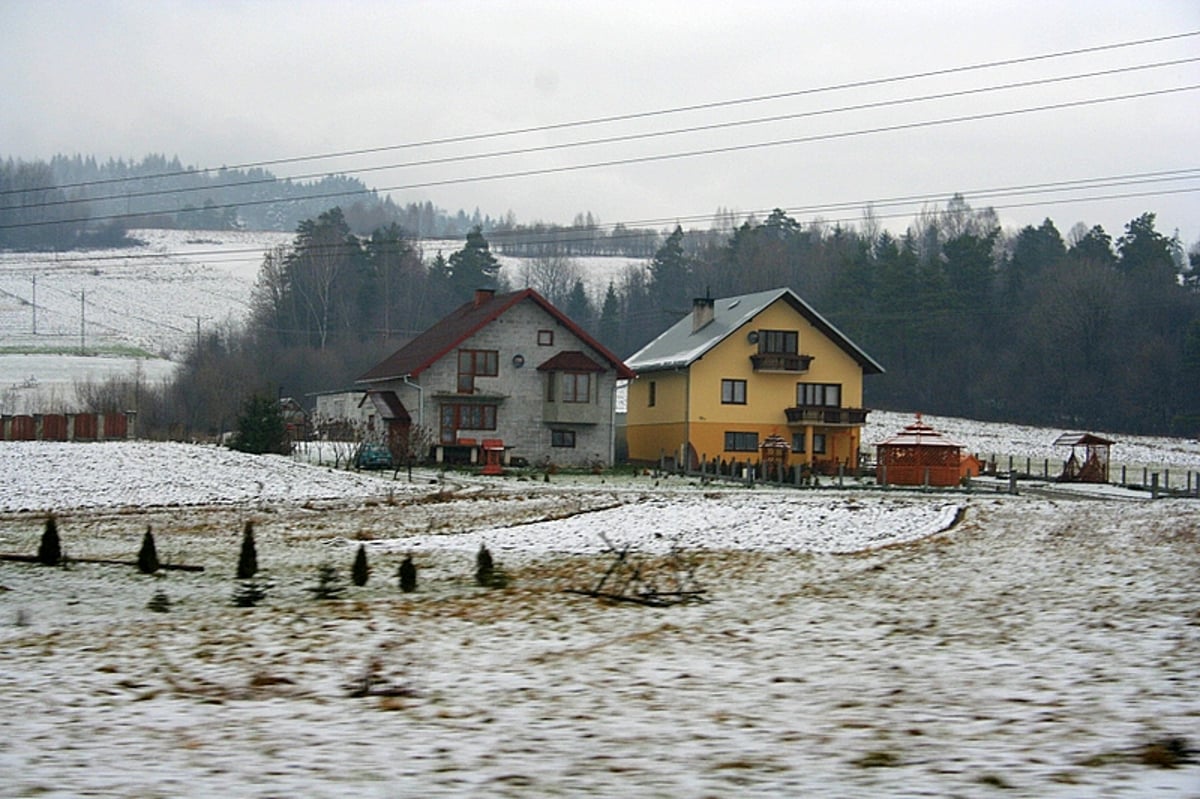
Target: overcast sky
246 82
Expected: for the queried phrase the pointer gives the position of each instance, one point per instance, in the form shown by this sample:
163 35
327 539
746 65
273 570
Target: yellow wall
667 426
650 430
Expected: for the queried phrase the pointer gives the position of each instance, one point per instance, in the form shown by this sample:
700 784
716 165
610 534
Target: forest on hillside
76 201
1074 330
1082 331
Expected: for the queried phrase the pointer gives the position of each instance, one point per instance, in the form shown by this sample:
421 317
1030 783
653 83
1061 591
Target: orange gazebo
920 455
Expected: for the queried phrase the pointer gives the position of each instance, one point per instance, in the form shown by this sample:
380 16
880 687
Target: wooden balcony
828 417
780 362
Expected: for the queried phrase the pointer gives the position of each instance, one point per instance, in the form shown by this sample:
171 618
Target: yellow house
739 370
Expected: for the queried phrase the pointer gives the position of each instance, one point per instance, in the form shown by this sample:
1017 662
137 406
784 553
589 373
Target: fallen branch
164 566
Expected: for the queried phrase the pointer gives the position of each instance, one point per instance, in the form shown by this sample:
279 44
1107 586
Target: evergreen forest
1082 329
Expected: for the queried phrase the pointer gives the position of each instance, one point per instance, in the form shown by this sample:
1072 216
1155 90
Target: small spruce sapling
249 593
483 566
148 554
408 575
487 573
160 602
248 559
360 572
327 586
50 549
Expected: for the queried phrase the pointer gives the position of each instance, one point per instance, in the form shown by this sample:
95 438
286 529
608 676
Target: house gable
510 367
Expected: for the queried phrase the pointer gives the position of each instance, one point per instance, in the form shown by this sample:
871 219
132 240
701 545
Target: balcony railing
826 416
780 362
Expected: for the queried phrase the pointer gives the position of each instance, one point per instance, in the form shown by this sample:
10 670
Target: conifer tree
248 560
50 550
360 572
483 566
408 575
148 554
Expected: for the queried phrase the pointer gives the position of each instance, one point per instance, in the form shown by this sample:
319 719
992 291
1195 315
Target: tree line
1082 331
76 201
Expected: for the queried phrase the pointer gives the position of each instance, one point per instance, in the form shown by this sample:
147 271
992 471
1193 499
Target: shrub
148 554
248 559
50 550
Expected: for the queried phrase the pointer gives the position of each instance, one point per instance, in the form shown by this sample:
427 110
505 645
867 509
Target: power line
444 160
726 149
637 228
667 111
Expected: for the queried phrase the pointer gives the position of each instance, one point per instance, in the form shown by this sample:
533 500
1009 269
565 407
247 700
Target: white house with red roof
506 370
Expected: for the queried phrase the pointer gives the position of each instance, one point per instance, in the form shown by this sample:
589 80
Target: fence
1160 482
66 426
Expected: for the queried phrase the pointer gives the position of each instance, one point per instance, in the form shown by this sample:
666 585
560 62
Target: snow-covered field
139 308
853 643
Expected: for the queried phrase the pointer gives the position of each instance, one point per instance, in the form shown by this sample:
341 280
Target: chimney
483 296
702 311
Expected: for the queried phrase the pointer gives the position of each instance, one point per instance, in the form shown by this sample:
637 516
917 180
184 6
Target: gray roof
678 347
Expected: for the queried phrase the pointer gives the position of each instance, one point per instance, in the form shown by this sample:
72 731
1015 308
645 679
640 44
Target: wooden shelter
920 455
775 457
1092 467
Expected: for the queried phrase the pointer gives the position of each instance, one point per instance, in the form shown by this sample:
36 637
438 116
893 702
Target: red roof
570 361
919 434
388 404
462 323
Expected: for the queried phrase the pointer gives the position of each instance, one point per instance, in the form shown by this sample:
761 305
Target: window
545 338
653 397
466 417
828 395
818 443
562 438
733 392
778 342
576 386
741 442
476 363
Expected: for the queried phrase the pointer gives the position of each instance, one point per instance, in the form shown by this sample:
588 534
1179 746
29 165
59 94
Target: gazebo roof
919 434
1081 440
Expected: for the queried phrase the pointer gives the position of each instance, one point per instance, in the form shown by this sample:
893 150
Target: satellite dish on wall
752 337
518 361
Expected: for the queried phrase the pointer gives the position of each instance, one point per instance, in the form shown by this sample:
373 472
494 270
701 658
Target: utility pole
198 319
82 321
35 305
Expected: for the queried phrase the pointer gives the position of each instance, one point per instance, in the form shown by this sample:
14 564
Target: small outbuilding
920 455
1088 462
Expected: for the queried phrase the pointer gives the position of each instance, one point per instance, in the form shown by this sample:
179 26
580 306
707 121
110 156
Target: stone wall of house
515 335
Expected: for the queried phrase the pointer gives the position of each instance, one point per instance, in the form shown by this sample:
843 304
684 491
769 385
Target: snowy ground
853 643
